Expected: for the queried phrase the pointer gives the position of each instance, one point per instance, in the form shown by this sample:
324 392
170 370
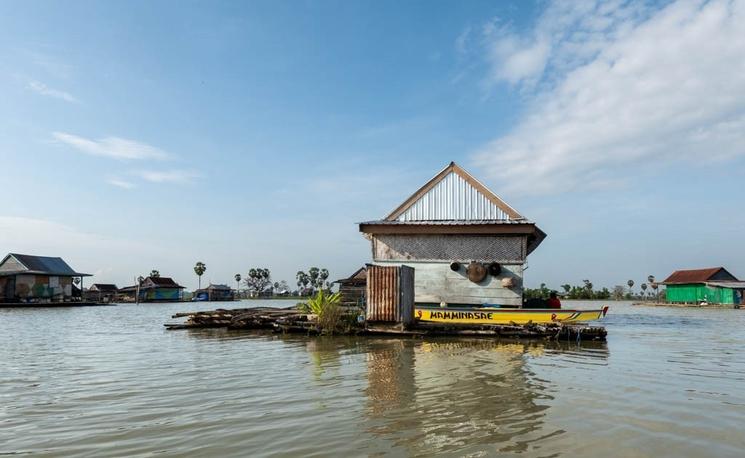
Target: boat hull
506 316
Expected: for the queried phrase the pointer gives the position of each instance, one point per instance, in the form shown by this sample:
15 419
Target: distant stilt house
214 293
153 289
466 245
713 286
27 278
102 292
352 289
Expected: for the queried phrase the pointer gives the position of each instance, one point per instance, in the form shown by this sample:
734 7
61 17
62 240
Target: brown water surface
110 381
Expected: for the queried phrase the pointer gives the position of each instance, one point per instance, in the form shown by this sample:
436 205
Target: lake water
110 381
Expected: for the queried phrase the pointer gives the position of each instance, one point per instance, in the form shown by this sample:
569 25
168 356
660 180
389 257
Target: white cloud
118 182
113 147
566 35
517 60
167 176
43 89
622 87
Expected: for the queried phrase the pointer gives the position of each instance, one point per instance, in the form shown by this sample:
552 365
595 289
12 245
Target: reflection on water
111 382
467 395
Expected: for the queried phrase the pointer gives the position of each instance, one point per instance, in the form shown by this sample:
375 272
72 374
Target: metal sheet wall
453 198
693 294
390 294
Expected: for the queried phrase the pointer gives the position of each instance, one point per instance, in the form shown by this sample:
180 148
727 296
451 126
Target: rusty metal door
390 294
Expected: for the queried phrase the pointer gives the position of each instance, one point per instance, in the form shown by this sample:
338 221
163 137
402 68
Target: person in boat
553 301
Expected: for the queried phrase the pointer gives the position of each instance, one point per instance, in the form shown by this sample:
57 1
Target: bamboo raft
294 321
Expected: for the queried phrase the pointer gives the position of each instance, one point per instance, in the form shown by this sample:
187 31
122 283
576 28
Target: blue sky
141 135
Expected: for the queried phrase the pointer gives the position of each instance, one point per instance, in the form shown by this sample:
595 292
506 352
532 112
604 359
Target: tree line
586 291
258 280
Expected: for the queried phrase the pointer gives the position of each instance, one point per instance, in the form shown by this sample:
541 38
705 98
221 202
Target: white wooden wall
434 282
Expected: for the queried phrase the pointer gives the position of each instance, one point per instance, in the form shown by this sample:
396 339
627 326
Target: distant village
44 279
467 246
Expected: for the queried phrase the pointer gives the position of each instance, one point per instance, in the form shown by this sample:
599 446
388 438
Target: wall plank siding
434 282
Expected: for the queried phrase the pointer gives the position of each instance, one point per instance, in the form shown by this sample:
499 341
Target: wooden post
406 299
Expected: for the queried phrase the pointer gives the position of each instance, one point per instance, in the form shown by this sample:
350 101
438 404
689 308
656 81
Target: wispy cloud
113 147
118 182
167 176
566 36
43 89
620 87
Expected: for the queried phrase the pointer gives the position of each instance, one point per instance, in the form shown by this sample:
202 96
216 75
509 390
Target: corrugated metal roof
728 284
694 275
360 277
450 222
453 198
219 286
164 281
42 265
103 287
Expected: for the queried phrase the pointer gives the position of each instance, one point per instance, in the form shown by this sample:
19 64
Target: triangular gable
453 194
11 264
361 274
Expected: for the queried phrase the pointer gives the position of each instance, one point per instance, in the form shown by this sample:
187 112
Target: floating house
714 285
214 293
352 288
466 245
153 289
30 279
102 292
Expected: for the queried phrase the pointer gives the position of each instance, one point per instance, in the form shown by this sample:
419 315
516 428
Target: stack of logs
294 321
253 318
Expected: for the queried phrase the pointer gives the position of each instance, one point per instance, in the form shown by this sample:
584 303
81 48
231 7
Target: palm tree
199 269
650 279
154 273
654 287
644 289
238 285
631 286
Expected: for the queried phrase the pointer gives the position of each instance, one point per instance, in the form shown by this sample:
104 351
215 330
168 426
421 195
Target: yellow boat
505 315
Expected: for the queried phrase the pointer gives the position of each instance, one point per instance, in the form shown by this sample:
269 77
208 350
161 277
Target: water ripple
110 382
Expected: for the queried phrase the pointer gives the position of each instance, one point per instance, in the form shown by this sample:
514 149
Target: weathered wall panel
403 247
435 282
42 286
353 295
12 265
